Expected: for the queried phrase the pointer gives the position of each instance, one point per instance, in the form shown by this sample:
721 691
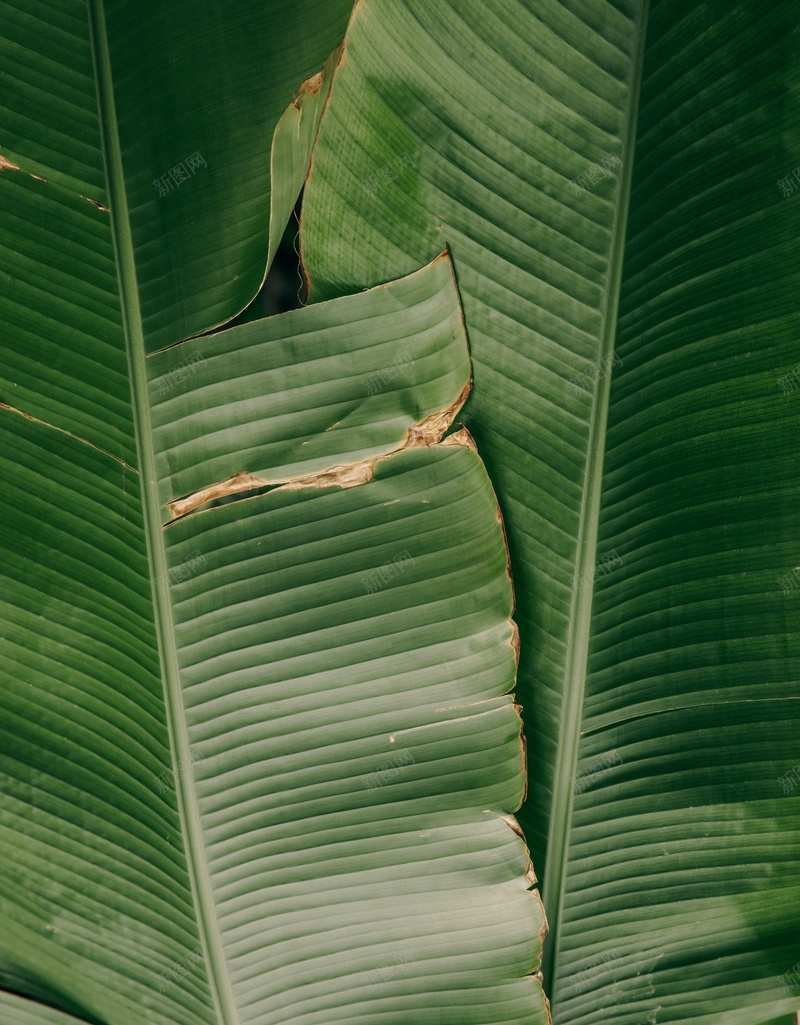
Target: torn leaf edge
423 434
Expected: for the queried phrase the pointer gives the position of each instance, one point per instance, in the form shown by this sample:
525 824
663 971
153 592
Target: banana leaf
618 186
260 750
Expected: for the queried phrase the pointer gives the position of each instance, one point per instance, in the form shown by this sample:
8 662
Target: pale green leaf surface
311 389
639 421
345 658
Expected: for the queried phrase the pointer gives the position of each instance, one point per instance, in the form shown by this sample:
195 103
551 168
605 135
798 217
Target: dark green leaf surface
189 94
64 359
633 325
20 1011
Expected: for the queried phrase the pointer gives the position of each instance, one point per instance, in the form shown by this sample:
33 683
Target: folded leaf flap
325 386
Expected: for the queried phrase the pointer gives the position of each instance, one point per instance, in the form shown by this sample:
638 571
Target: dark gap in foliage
284 288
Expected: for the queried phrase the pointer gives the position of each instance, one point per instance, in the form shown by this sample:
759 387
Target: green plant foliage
260 753
615 184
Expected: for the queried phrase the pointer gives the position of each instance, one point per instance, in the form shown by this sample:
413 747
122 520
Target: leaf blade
720 136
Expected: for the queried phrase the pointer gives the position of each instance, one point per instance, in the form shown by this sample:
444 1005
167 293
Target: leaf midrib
188 810
579 631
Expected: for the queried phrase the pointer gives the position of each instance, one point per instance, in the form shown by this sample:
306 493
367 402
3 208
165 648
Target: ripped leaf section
329 388
345 659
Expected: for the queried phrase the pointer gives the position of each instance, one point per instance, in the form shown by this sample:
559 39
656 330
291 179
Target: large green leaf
616 187
260 755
